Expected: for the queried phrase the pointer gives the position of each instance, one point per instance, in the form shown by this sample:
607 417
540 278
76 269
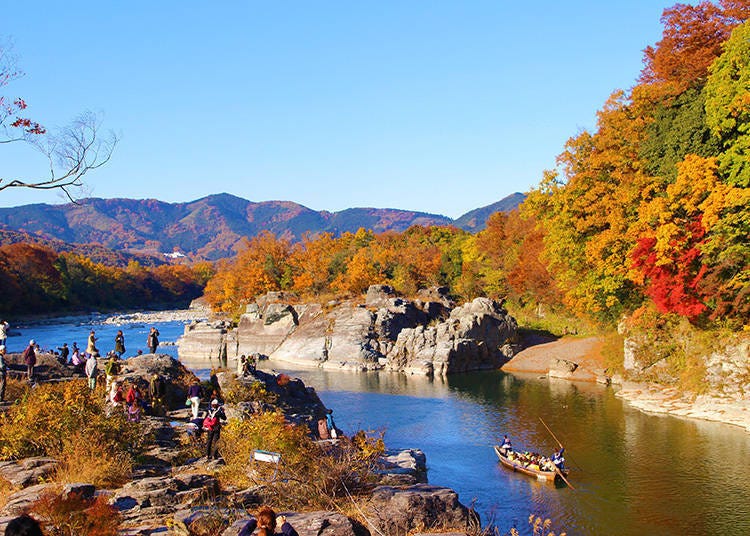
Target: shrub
612 350
235 391
309 476
76 516
69 422
15 388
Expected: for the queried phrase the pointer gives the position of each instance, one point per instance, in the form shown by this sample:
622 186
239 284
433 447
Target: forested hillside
652 208
36 279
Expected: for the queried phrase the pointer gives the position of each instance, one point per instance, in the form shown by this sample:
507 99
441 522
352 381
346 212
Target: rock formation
424 336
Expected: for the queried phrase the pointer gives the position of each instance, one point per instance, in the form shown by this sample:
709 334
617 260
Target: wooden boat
536 473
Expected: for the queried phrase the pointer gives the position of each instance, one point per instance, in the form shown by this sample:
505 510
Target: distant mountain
476 220
211 227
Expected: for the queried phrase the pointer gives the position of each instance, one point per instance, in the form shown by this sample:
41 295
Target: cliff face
424 336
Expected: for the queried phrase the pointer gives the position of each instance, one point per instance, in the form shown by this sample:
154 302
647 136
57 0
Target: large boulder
476 336
140 369
203 340
422 507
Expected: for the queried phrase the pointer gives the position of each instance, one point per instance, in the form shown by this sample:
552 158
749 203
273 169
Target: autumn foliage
36 279
652 207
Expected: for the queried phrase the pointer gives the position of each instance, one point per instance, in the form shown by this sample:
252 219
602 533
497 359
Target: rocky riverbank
726 400
426 336
171 491
197 311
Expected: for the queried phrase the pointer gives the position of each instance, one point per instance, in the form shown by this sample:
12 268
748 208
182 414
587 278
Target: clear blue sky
434 106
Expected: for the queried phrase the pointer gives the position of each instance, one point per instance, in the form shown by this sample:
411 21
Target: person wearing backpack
212 426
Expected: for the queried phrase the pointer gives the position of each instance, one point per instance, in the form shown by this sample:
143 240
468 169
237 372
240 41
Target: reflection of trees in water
364 382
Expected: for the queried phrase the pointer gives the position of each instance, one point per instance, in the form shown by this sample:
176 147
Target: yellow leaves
50 417
696 179
360 274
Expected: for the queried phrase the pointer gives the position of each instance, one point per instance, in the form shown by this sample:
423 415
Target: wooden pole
550 431
561 446
563 477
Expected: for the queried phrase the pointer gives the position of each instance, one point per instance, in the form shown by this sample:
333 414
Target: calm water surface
635 474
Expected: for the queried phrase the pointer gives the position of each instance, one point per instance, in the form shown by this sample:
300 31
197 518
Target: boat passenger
506 444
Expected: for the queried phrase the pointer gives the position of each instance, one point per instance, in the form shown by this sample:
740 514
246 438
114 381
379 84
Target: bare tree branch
71 153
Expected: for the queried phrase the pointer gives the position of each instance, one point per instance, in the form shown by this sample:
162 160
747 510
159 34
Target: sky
432 106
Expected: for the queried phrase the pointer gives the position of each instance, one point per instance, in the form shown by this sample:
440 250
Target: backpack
209 423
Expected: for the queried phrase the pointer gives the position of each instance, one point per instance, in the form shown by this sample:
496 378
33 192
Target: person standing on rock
111 369
3 372
91 349
119 343
194 395
3 332
91 372
64 353
157 390
29 357
212 426
331 425
153 340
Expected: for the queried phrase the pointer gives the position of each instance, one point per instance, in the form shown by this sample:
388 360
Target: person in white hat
29 357
212 425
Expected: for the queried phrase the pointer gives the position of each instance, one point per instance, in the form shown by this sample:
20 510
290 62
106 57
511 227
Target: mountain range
210 227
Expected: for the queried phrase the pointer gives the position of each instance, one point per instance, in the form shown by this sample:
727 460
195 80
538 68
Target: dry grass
70 423
309 476
6 490
235 391
76 516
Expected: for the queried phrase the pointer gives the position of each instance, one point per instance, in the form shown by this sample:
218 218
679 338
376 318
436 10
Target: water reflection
634 473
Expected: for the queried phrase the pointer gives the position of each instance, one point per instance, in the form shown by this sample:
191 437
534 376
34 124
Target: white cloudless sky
433 106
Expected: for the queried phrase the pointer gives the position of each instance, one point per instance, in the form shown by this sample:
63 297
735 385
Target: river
633 473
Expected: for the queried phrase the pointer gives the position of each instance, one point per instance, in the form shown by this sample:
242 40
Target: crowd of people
135 400
533 460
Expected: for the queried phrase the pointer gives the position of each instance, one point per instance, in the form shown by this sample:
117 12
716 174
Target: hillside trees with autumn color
346 265
36 279
651 209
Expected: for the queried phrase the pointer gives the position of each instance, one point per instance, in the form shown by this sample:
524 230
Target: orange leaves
691 41
260 267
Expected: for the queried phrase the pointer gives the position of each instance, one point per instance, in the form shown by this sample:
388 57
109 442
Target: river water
634 474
